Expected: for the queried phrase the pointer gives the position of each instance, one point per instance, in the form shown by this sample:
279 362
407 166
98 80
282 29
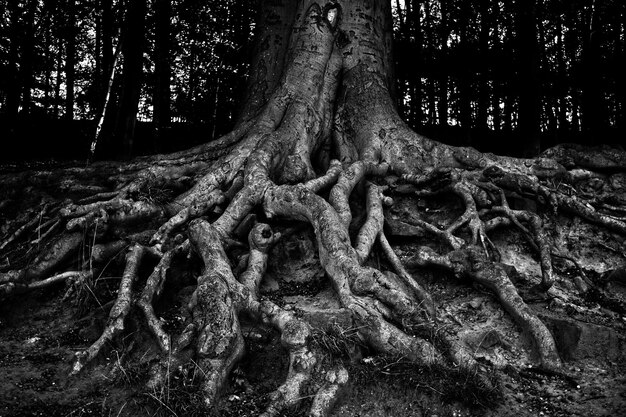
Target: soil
41 331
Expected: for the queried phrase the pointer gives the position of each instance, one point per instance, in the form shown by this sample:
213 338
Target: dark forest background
137 77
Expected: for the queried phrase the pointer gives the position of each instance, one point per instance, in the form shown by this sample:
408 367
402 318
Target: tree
319 142
162 69
528 55
70 59
119 121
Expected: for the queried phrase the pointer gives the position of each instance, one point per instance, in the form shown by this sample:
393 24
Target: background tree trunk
70 58
593 90
444 32
528 80
161 98
28 56
133 38
14 84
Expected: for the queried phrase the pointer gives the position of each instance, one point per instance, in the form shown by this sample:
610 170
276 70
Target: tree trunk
13 86
28 56
106 12
444 32
161 98
414 23
119 141
319 145
593 105
528 68
70 59
482 108
561 87
620 80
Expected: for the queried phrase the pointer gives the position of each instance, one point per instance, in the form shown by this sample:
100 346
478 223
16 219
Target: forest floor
40 333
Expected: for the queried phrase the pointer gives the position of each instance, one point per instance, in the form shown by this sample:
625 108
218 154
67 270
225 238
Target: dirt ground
40 333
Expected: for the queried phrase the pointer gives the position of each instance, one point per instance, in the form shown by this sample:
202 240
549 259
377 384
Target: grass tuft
337 341
471 387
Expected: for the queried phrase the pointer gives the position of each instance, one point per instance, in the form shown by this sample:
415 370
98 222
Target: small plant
339 342
471 387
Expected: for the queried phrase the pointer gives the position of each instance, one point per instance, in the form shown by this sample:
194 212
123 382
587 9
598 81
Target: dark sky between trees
172 73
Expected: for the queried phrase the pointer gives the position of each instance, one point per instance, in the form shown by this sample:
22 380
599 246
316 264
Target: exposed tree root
277 166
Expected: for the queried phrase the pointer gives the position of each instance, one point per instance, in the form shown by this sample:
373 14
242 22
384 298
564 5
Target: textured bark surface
319 145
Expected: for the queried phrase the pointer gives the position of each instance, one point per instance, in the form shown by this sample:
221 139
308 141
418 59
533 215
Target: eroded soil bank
40 333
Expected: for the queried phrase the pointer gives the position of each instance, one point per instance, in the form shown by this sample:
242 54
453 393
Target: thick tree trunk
319 143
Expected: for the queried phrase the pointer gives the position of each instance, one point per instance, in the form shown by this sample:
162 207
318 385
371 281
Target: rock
576 340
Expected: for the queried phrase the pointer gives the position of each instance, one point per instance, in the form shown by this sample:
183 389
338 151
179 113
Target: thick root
470 262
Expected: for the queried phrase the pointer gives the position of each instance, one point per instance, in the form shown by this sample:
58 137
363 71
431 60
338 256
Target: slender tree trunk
132 51
432 81
561 86
444 32
13 74
105 105
161 100
58 63
70 58
107 33
28 56
528 81
48 59
593 105
482 108
415 32
621 117
465 71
